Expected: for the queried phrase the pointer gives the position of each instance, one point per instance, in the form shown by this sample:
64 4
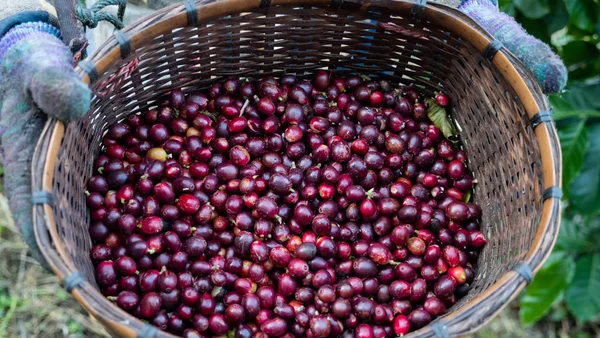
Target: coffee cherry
286 207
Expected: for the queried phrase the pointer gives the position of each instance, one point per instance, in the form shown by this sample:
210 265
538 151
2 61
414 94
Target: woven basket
504 122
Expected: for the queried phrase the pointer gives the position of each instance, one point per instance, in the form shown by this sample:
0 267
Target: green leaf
558 314
584 190
559 103
507 7
581 114
579 96
579 51
574 236
581 58
533 9
559 17
535 27
573 141
546 288
584 14
62 295
540 18
582 296
437 114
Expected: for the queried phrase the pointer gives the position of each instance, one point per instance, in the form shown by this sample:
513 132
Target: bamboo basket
504 121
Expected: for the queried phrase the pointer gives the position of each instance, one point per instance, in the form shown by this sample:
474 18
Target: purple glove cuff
25 30
468 3
537 56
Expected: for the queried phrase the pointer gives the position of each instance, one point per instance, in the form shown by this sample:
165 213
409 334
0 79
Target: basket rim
476 312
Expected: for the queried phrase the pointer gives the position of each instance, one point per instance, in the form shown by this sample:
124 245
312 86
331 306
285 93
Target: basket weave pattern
381 39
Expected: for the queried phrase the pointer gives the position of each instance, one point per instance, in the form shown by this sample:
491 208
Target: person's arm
36 78
537 56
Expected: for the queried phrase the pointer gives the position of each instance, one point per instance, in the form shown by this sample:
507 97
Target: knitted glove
547 67
36 77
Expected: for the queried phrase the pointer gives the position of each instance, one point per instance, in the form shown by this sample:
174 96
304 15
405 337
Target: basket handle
71 28
74 17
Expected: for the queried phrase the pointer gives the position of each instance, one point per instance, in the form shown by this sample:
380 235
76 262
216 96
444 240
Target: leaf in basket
437 114
468 196
582 296
584 190
574 141
210 115
533 9
547 288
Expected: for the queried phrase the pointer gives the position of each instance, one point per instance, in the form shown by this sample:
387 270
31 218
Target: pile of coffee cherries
330 207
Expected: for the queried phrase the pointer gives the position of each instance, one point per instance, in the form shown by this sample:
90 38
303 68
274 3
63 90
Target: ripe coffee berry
329 207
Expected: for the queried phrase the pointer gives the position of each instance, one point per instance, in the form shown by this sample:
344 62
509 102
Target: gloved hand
36 78
547 67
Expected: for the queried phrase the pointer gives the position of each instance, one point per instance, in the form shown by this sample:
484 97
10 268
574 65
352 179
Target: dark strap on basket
524 271
541 117
265 3
418 8
492 49
552 192
90 69
74 280
337 3
147 331
42 197
191 11
124 43
439 330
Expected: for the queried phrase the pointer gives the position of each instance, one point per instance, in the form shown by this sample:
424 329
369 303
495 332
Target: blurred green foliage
571 277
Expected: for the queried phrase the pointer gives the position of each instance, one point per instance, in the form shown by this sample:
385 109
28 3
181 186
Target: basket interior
495 130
